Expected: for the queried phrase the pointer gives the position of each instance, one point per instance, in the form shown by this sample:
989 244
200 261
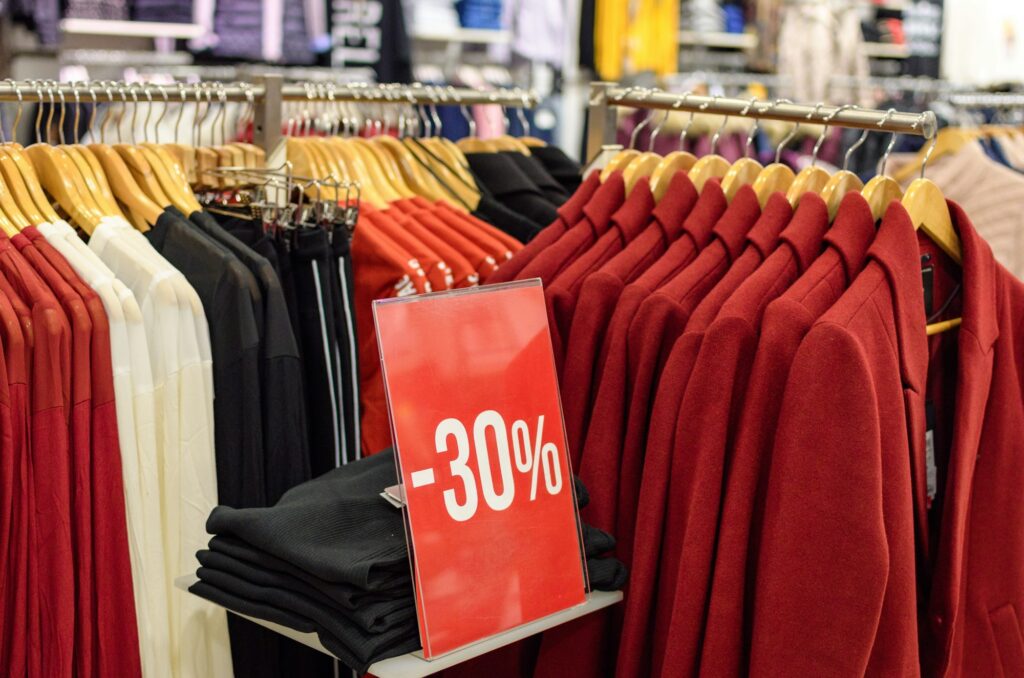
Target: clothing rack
266 94
987 100
606 96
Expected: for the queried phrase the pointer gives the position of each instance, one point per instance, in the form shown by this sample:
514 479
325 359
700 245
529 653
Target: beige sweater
990 193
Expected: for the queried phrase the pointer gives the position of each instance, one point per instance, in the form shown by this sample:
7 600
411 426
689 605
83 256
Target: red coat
644 635
726 641
836 587
707 419
601 292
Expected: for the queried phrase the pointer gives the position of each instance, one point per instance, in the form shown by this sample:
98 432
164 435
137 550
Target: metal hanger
776 177
745 170
676 161
711 165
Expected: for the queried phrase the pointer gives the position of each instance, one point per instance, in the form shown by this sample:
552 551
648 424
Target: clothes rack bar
605 97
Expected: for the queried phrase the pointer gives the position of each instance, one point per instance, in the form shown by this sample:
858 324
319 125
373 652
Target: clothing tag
931 468
928 281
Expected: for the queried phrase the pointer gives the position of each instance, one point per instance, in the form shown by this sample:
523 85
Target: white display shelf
741 41
884 50
413 665
479 36
130 29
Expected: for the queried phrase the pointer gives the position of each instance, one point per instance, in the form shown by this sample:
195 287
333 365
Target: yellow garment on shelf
642 35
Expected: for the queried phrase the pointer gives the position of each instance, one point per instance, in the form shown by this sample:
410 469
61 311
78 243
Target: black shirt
564 169
286 453
534 169
507 183
227 290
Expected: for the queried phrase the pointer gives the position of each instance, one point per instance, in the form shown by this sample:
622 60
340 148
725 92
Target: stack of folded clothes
331 558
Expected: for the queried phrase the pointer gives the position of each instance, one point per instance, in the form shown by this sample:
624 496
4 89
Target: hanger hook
21 101
718 132
657 130
789 137
163 109
222 97
824 130
181 112
149 112
677 105
134 91
753 129
39 113
63 115
857 144
643 123
78 109
892 142
435 116
521 114
106 113
928 154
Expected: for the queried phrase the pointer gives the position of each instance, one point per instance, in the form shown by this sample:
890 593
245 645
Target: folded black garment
370 615
358 658
606 574
596 542
335 527
346 595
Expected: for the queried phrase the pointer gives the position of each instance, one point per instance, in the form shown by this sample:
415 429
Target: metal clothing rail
987 100
266 94
606 96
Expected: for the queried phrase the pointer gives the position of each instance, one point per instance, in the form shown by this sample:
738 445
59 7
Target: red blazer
972 625
597 217
707 419
836 587
726 641
569 215
600 293
561 293
648 466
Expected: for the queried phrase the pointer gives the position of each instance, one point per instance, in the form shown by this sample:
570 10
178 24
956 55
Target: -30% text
512 446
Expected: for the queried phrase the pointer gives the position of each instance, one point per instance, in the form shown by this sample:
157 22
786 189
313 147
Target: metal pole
601 120
267 122
918 124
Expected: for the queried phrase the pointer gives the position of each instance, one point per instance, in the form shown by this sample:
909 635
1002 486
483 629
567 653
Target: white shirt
133 398
183 401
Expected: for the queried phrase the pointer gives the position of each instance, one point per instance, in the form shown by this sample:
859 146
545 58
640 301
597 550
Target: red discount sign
477 426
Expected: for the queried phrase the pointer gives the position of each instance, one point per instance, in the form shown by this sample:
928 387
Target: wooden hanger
745 170
775 177
928 211
123 185
948 141
676 161
711 165
16 183
646 163
882 190
57 174
842 182
812 179
24 166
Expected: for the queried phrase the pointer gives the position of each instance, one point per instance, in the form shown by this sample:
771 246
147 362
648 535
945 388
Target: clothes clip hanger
776 177
881 190
644 164
676 161
745 170
626 155
842 182
812 179
711 165
24 166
